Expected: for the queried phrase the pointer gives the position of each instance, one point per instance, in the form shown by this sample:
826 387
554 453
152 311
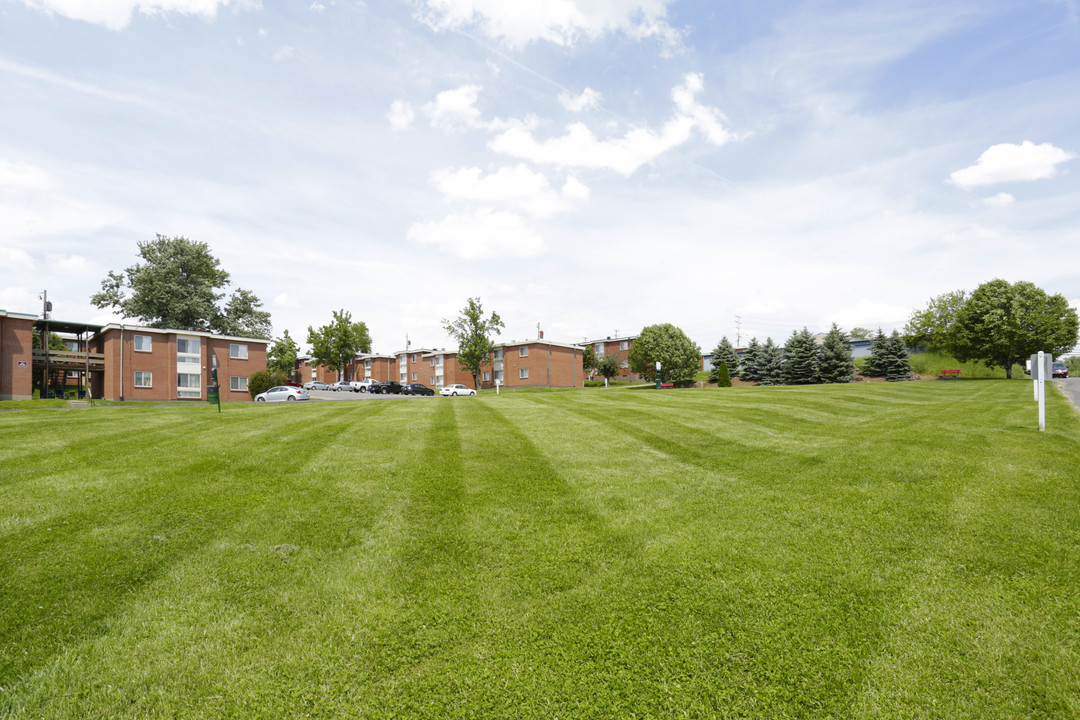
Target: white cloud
22 177
75 265
317 6
401 115
482 234
1010 163
116 14
999 200
574 189
578 147
285 52
285 300
562 22
588 98
518 187
454 109
15 259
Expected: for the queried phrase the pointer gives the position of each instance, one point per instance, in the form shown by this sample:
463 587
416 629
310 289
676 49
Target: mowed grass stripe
905 549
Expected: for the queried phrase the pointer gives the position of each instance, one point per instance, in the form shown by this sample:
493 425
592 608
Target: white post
1042 392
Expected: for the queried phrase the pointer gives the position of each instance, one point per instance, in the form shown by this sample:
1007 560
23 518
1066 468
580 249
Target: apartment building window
414 377
624 345
624 364
523 373
143 343
498 377
523 351
498 354
367 365
414 357
238 383
188 367
238 351
487 376
144 379
598 349
432 362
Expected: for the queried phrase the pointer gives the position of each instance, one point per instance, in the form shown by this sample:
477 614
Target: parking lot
345 395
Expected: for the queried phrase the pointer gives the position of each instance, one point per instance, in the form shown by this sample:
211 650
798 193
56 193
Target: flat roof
176 331
68 326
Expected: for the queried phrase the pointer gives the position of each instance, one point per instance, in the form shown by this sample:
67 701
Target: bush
723 378
263 380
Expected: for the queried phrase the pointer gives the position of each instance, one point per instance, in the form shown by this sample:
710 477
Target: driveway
1071 388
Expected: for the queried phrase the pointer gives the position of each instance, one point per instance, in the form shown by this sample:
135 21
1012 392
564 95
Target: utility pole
738 331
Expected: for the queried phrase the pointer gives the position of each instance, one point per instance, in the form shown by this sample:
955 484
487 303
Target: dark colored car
1060 370
416 389
385 388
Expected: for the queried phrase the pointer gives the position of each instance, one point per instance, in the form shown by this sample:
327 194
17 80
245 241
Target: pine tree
751 362
800 359
835 363
724 353
874 366
771 370
897 366
723 377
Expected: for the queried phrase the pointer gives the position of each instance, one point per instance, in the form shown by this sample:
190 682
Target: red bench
946 374
667 386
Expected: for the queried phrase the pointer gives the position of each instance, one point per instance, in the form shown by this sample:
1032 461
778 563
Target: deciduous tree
281 355
336 344
679 356
473 334
1002 324
930 326
178 285
608 367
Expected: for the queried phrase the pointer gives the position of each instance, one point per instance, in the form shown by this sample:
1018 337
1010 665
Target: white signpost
1041 368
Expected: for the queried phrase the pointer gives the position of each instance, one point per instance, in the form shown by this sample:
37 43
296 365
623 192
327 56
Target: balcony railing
70 360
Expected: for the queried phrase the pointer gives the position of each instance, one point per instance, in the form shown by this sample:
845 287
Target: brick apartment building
125 362
618 348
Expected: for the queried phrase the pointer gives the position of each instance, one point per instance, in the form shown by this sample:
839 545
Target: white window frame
148 340
414 377
487 376
238 383
235 350
523 351
149 379
624 345
523 373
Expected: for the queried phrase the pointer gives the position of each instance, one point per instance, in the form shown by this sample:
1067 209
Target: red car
1060 370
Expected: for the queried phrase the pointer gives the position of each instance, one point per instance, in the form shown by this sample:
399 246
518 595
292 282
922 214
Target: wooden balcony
70 360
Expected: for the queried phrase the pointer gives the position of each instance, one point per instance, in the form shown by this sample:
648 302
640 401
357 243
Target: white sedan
283 393
449 390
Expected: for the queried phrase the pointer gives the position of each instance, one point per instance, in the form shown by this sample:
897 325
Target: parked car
316 385
1060 370
341 385
365 385
283 393
290 383
416 389
453 390
385 388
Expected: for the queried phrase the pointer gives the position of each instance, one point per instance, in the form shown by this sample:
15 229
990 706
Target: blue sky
592 166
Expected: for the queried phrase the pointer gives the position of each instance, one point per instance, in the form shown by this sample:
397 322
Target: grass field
869 550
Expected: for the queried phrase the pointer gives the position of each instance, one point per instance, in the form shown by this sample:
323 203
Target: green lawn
869 550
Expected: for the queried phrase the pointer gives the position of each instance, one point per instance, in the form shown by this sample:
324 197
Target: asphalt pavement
1071 388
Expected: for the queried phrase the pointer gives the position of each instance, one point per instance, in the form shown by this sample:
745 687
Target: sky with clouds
591 166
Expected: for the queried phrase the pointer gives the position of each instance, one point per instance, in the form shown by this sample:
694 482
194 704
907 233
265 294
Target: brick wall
16 358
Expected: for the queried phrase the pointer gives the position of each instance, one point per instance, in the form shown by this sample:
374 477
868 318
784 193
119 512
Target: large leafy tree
178 285
800 359
281 355
243 317
930 326
835 364
335 345
1002 324
588 359
724 352
679 356
472 331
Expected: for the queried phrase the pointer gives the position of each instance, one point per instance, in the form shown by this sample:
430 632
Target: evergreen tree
896 364
750 363
835 364
800 359
724 353
723 378
874 366
771 370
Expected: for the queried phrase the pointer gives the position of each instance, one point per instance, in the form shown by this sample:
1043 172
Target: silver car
283 393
